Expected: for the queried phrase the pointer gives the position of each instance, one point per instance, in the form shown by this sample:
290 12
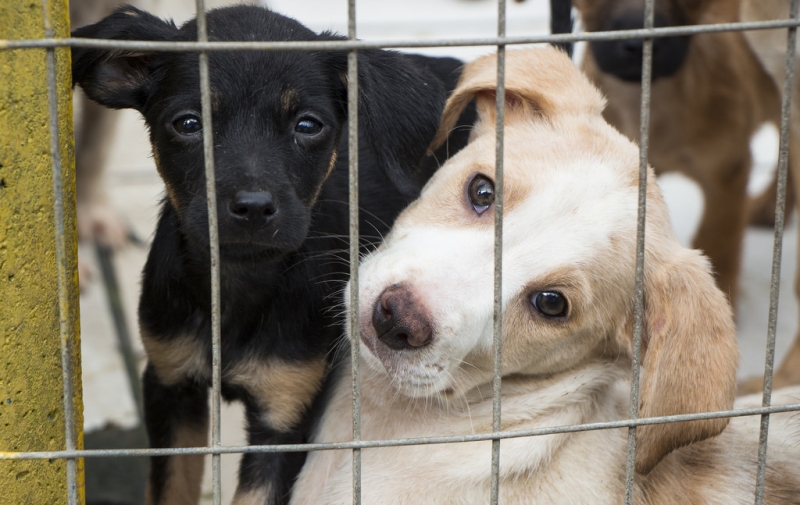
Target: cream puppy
568 289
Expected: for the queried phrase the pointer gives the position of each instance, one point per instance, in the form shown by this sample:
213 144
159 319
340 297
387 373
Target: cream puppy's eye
550 303
481 193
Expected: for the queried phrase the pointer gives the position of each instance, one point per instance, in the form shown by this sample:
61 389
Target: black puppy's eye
550 303
308 126
188 124
481 193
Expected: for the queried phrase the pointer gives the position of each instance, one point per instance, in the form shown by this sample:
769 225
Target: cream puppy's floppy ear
690 354
541 84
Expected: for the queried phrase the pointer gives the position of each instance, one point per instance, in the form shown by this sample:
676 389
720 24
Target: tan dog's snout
400 320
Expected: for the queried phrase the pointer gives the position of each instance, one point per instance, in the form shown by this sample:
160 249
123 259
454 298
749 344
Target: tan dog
710 93
568 285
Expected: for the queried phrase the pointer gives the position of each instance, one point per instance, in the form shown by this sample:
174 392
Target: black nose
632 48
623 58
254 208
400 321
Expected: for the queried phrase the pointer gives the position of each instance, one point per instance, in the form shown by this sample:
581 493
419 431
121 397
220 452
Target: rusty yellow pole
39 328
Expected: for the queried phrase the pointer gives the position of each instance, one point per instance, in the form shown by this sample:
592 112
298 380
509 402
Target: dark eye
481 193
550 303
188 124
308 126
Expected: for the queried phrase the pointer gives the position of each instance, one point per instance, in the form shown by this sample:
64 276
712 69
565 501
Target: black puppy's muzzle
623 58
252 210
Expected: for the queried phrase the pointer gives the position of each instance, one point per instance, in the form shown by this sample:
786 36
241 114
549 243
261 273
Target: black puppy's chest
270 378
274 334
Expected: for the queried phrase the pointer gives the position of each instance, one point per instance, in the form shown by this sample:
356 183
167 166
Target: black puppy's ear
117 78
400 103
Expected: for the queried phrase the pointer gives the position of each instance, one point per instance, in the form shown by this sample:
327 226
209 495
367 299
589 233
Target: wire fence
352 45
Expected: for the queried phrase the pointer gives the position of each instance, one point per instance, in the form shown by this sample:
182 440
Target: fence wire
66 331
352 146
497 310
638 309
203 47
777 248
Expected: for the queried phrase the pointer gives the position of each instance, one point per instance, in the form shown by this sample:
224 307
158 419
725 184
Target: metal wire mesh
638 323
65 328
497 310
777 248
352 117
203 47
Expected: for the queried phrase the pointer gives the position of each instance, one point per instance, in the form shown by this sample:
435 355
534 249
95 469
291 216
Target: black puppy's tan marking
186 471
282 196
289 99
282 390
176 359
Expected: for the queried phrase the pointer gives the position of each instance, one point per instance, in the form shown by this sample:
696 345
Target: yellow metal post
38 278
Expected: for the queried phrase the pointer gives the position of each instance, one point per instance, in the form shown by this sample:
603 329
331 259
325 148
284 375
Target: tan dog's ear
540 84
690 355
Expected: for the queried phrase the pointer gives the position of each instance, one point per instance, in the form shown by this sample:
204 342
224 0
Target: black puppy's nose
254 207
400 321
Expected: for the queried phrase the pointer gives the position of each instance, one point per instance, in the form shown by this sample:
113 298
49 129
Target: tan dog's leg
97 220
722 227
94 130
761 208
788 373
770 48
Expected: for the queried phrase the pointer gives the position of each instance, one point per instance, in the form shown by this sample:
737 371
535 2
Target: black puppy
278 119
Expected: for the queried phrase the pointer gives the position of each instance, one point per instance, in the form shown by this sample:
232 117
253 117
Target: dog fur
710 94
426 313
703 116
282 188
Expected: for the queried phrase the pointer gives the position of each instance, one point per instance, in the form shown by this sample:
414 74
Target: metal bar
213 238
638 310
39 318
366 444
355 331
497 329
777 249
64 273
6 44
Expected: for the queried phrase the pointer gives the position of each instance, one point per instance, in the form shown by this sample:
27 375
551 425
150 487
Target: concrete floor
136 190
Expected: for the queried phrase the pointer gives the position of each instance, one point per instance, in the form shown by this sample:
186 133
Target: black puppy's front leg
175 416
267 478
278 396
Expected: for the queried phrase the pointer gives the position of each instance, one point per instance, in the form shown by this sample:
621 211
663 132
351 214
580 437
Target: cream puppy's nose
400 321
